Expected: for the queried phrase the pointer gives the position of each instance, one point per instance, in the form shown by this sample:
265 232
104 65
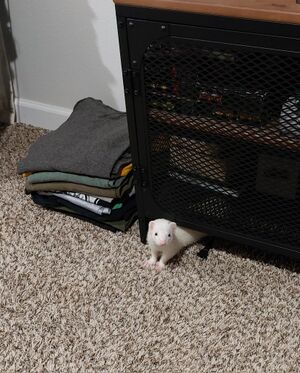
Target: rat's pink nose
162 242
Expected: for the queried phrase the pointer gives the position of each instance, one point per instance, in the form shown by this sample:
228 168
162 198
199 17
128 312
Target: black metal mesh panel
224 136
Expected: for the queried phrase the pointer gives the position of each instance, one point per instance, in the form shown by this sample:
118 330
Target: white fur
166 239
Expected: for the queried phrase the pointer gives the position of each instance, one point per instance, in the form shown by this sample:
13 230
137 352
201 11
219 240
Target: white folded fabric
100 210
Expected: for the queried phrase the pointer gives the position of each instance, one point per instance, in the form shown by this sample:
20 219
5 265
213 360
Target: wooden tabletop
285 11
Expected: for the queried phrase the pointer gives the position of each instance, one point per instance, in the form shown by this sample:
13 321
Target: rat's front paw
149 263
159 266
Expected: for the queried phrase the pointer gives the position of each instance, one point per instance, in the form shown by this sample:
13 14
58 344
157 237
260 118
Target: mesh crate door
223 136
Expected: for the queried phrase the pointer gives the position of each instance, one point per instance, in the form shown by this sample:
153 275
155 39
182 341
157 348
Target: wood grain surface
285 11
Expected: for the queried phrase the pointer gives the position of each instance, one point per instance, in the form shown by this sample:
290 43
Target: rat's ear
151 226
173 226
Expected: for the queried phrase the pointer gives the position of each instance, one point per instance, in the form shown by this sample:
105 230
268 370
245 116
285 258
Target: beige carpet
74 298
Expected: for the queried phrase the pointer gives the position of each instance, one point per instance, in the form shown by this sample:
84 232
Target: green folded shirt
61 186
48 177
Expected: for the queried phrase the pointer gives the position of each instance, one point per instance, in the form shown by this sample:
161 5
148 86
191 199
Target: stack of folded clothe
84 168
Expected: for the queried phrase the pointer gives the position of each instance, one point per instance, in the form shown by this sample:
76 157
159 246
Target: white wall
66 50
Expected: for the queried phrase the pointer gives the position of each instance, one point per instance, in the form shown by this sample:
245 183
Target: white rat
166 239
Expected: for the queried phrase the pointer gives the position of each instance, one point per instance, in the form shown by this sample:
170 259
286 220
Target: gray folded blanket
90 142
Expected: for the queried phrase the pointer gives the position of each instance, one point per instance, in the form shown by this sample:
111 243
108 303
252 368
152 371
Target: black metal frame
137 28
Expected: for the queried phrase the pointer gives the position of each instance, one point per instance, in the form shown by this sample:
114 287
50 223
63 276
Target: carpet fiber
74 297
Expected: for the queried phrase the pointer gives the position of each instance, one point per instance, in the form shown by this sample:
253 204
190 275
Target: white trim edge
40 115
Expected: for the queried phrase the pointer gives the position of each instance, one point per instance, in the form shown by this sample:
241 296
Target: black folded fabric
120 225
124 213
66 211
90 142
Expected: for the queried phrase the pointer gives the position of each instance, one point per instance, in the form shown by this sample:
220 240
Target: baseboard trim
40 115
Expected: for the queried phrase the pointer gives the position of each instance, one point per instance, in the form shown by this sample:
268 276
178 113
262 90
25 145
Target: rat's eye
169 235
155 234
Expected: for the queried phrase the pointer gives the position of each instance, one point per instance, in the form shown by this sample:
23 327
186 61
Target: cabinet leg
143 225
208 244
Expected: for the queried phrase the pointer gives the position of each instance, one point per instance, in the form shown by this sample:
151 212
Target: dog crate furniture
213 100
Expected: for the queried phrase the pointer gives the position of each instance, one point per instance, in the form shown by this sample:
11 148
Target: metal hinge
136 82
140 176
127 81
131 81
